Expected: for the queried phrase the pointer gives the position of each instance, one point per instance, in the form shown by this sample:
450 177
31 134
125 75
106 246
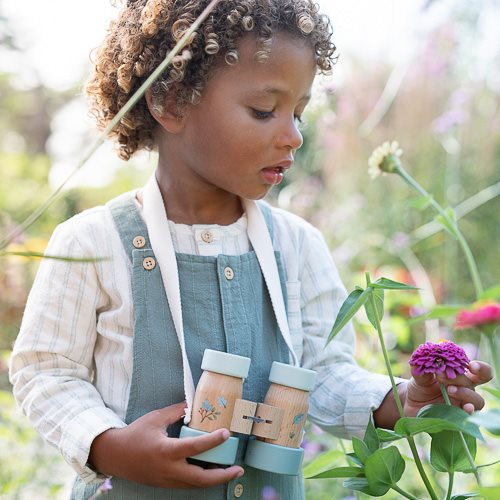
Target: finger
190 446
424 380
464 397
204 478
469 408
459 380
480 372
169 415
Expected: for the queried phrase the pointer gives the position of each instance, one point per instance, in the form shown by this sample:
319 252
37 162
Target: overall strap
129 223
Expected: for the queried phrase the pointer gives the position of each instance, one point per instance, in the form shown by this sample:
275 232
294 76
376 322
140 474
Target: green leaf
348 309
358 484
339 472
41 255
489 419
421 202
354 460
324 462
492 293
410 426
448 453
490 492
440 311
378 297
463 496
360 449
452 414
495 392
386 435
371 438
384 469
388 284
449 222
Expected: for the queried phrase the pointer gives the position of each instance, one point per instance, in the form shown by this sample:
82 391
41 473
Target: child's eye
262 115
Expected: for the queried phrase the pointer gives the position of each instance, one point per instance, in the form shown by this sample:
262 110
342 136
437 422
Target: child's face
241 138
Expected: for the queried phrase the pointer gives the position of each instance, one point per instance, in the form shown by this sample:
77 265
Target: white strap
161 243
260 239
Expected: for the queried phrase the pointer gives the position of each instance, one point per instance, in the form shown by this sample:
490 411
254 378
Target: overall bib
221 310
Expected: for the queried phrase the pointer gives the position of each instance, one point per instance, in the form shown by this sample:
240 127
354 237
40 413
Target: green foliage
384 469
448 454
489 419
28 469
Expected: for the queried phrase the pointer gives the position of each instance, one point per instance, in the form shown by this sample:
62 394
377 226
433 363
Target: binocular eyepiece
277 423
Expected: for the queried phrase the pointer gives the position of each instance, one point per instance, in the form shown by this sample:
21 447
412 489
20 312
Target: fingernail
225 433
452 389
474 366
242 471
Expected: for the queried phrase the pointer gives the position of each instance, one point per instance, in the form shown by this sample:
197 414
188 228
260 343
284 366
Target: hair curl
146 30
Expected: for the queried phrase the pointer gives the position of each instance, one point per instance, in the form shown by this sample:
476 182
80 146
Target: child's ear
167 115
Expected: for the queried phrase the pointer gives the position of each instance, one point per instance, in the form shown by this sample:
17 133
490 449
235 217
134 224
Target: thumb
424 379
168 415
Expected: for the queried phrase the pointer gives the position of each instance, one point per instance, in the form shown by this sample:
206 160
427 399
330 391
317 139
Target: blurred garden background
425 73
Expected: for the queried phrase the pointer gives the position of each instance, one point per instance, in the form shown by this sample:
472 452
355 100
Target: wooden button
149 263
139 241
238 490
207 236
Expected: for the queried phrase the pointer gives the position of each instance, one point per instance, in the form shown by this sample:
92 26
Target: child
109 350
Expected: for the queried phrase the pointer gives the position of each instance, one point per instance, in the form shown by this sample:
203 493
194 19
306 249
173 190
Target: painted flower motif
385 158
298 418
486 314
222 401
207 406
440 357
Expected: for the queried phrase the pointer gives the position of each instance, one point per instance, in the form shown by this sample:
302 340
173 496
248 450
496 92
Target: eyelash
264 115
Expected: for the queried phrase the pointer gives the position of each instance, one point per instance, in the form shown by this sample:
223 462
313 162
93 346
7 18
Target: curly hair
146 30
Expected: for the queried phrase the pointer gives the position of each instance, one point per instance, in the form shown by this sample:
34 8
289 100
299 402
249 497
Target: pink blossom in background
439 357
489 313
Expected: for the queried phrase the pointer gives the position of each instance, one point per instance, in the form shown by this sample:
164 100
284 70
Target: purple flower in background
103 489
269 493
442 357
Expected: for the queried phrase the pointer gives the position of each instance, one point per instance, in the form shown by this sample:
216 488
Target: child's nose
290 136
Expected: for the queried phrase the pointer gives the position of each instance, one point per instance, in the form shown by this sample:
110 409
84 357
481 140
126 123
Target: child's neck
199 208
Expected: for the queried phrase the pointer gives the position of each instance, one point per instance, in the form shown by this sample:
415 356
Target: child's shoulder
288 222
88 229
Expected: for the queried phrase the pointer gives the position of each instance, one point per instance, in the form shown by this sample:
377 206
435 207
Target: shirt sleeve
345 395
51 368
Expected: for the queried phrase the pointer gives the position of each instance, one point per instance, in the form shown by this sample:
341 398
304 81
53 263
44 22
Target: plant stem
462 438
461 240
342 445
403 492
399 405
384 352
495 356
451 476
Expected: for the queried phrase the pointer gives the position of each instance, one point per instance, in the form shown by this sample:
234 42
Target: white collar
161 243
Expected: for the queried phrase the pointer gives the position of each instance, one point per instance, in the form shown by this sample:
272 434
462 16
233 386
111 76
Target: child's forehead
289 69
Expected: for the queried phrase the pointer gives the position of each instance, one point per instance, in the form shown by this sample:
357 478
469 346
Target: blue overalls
233 315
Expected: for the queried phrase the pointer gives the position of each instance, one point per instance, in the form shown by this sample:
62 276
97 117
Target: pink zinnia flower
489 313
444 356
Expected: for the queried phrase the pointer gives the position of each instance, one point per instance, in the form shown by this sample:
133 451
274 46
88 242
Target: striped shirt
71 366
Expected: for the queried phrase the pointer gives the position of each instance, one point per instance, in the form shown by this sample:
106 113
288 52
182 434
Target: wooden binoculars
276 424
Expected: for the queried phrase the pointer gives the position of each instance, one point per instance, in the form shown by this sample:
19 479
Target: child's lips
274 175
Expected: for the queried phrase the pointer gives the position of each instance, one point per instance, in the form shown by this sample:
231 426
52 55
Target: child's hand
142 452
424 389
